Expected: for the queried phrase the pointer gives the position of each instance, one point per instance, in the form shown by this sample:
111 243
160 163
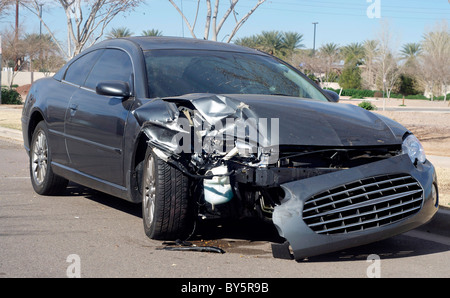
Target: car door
58 101
95 124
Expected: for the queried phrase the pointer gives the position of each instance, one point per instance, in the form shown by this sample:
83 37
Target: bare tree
392 74
435 60
42 53
313 65
86 20
5 5
370 56
212 17
387 60
14 52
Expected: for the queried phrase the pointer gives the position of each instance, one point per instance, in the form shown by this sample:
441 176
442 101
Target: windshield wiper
282 94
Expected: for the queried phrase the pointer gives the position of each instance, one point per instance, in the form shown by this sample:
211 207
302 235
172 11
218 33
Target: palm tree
152 32
353 55
248 41
330 54
119 32
279 44
371 48
272 42
410 53
411 50
292 41
353 52
329 49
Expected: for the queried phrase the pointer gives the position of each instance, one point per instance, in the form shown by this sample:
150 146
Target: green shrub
358 93
395 95
418 96
11 97
350 77
335 90
442 97
408 85
367 105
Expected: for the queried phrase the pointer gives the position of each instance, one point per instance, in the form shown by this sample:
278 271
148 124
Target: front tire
44 181
168 209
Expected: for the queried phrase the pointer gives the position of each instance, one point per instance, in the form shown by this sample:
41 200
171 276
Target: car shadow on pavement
400 246
246 235
74 189
247 228
251 229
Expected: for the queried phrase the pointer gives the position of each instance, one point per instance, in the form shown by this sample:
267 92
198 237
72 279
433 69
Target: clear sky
339 21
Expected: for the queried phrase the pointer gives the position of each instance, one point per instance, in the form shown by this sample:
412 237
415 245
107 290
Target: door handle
73 109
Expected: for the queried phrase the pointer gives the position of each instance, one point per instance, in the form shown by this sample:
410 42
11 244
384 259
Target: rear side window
112 65
80 68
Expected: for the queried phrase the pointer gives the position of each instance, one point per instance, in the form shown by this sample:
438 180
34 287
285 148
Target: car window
80 68
177 72
112 65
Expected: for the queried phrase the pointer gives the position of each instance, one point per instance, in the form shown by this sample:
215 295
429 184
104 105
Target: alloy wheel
149 191
40 158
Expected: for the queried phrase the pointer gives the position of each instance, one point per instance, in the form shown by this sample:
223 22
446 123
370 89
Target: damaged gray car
196 129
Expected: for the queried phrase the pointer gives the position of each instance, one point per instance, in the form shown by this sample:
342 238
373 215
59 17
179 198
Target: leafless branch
80 29
244 19
208 19
191 29
212 15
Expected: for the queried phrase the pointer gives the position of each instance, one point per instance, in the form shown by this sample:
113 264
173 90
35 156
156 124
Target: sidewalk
395 104
441 161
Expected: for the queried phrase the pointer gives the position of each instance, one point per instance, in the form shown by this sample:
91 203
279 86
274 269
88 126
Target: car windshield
177 72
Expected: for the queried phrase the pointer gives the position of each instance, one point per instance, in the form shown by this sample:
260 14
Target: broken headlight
411 146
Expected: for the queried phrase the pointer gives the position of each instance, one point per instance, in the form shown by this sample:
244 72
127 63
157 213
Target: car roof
165 43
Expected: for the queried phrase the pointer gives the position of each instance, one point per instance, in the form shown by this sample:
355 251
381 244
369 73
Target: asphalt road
89 234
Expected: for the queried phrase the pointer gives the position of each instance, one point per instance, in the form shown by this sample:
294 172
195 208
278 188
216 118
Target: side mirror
113 88
333 96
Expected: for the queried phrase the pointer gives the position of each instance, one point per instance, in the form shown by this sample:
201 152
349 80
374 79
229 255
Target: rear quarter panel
48 100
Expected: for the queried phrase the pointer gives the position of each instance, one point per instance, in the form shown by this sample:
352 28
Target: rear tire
168 209
44 181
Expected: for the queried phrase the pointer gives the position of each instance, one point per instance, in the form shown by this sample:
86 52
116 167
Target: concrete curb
11 134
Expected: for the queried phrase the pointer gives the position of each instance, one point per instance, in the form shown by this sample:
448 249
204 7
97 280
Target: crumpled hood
302 121
317 123
299 122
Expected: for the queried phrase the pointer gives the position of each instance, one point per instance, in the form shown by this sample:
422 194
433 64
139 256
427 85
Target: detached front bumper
356 206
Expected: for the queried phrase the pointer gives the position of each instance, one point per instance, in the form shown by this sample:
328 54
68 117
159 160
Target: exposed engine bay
236 155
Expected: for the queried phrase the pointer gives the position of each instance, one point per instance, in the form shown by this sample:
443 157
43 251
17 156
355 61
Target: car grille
363 204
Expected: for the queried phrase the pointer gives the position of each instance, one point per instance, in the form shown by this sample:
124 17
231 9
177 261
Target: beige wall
22 77
333 85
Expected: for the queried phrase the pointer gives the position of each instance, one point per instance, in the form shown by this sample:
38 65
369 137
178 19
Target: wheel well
139 157
35 118
141 148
